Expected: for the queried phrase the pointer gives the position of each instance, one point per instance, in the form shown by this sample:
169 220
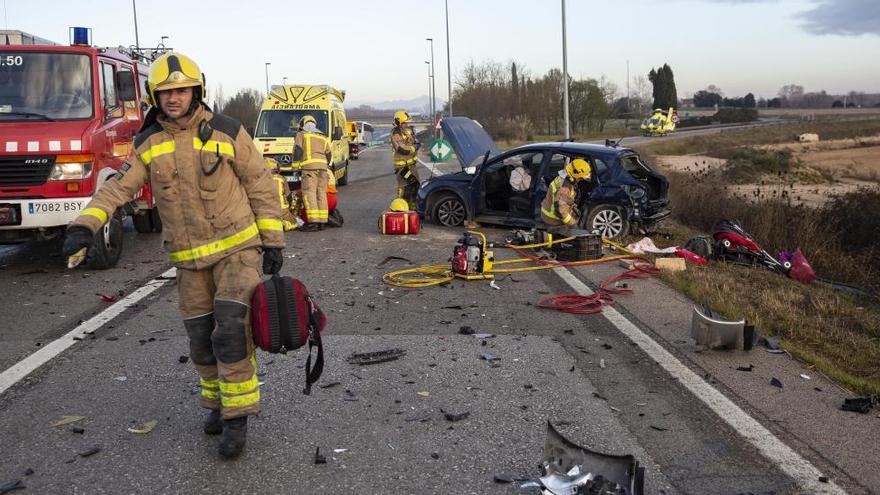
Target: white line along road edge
777 452
26 366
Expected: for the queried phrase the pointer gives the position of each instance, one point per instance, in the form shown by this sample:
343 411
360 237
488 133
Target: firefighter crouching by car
219 210
284 196
404 150
559 208
311 151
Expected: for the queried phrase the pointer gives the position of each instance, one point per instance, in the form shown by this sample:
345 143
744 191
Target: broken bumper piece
714 332
570 469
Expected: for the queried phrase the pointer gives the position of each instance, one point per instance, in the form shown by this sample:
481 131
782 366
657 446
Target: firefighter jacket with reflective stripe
560 202
311 151
215 197
403 146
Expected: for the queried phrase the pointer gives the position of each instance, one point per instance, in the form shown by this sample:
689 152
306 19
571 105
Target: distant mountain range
414 105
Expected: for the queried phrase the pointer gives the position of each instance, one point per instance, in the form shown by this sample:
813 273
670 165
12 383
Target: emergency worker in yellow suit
559 207
219 211
404 152
311 151
284 196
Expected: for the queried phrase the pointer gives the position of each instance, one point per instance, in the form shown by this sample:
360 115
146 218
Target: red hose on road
592 304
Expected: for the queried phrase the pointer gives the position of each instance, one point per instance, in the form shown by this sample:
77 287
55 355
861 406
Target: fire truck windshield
45 86
283 123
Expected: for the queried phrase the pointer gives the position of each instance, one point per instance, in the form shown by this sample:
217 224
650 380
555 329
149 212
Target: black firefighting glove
272 260
76 238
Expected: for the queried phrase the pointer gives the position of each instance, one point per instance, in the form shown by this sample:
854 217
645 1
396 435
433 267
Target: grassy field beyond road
724 144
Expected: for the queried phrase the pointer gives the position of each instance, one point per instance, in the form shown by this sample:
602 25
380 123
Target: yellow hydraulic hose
430 275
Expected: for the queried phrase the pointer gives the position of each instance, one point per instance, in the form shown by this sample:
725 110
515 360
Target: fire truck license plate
54 207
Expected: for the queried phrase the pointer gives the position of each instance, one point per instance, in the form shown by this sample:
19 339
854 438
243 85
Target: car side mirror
125 86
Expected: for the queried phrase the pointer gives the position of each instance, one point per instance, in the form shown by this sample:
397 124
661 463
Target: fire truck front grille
25 170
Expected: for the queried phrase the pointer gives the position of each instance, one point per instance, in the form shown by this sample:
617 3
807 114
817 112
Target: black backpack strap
314 373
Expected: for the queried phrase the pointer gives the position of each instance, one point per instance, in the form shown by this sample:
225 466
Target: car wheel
344 179
449 211
107 244
608 222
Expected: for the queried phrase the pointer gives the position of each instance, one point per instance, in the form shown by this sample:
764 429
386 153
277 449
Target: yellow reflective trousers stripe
269 224
240 387
283 200
406 161
241 400
214 146
554 187
97 213
210 388
157 150
215 247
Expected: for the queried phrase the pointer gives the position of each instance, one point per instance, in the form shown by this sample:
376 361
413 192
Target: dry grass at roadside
836 333
723 145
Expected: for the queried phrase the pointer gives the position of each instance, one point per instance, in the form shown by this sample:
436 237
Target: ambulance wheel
107 244
147 222
343 181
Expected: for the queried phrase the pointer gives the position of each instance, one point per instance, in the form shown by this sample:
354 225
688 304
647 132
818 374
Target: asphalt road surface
628 381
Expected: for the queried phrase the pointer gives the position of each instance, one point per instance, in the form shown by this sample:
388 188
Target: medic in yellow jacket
559 207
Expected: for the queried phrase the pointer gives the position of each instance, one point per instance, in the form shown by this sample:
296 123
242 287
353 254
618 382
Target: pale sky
375 51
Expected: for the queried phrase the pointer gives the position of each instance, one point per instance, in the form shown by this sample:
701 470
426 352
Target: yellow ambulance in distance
279 120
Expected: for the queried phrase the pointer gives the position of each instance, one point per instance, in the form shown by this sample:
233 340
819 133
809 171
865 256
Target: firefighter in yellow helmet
559 208
404 151
283 192
219 211
312 154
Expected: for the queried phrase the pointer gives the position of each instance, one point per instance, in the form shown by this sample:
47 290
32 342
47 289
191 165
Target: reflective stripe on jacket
215 197
403 147
559 202
311 151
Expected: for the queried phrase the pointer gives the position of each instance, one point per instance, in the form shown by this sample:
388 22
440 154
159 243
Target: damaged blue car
506 188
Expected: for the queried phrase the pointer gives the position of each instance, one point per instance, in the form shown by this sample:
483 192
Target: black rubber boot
234 437
309 227
213 423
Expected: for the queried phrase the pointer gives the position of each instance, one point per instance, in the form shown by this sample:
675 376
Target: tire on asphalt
343 181
449 210
107 244
608 221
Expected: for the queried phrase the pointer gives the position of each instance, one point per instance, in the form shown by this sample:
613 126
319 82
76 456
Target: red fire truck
68 116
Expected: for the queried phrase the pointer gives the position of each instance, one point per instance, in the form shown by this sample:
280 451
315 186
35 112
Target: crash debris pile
570 469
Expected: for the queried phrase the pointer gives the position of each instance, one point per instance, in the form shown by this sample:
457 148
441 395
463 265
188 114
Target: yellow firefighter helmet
578 170
174 70
306 119
401 117
399 204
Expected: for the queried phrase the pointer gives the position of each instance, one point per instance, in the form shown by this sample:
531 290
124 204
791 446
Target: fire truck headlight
71 171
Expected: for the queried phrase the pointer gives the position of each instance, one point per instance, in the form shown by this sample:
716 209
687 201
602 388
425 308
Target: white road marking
776 451
26 366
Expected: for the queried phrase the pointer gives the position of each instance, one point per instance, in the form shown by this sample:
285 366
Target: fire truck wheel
107 244
147 222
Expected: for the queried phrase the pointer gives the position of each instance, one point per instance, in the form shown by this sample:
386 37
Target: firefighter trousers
215 304
314 194
407 183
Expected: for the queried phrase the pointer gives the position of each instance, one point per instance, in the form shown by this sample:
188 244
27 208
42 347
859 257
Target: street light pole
448 63
433 89
267 77
430 108
565 76
137 43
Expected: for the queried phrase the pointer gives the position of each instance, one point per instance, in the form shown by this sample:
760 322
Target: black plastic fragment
452 417
319 457
775 382
745 368
11 485
94 449
183 359
466 330
376 357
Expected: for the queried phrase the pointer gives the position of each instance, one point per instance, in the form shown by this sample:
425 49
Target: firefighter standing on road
311 150
559 207
219 208
404 150
284 197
